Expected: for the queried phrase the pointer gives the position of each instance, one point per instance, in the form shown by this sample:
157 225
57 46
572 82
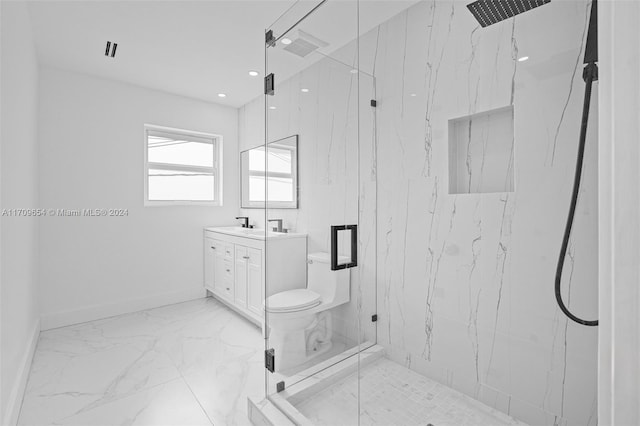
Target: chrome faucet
245 221
278 228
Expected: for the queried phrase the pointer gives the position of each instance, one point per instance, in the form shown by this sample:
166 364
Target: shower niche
481 152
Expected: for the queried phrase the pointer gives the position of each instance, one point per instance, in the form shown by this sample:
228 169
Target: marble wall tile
483 264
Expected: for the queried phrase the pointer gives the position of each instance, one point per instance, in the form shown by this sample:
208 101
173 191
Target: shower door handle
334 246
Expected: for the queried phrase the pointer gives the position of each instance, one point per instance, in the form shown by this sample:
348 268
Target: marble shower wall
481 153
464 281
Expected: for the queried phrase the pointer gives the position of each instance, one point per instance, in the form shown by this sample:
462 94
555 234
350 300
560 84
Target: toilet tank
333 286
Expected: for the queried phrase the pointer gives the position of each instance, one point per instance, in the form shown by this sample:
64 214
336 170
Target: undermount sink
254 232
241 230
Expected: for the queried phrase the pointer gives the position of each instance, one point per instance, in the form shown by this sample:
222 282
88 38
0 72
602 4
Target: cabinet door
209 262
241 276
255 286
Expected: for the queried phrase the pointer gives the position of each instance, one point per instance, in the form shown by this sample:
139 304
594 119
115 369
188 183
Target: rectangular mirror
280 169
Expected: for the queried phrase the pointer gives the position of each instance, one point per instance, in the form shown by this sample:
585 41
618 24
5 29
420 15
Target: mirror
281 161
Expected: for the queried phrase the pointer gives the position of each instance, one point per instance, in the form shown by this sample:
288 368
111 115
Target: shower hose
590 74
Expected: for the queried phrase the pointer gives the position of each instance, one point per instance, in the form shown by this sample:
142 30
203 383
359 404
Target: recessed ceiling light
354 71
272 107
285 41
304 90
522 59
413 95
222 95
253 73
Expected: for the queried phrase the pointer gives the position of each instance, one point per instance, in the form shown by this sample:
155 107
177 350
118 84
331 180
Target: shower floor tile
394 395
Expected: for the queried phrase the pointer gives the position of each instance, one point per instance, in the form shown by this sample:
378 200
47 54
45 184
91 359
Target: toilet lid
292 300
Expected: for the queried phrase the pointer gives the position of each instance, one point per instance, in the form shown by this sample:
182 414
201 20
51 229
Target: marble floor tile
198 357
170 404
223 390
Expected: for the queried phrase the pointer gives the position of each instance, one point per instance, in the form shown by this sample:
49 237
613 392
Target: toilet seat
292 300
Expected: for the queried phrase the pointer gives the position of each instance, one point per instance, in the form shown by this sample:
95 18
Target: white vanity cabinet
234 266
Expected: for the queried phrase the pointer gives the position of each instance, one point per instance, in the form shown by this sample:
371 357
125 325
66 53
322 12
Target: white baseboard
90 313
17 390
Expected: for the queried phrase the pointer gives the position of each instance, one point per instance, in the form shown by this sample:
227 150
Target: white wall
619 243
91 156
19 178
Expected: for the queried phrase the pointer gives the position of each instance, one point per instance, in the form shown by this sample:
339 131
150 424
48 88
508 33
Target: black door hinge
374 318
269 39
269 84
374 103
270 360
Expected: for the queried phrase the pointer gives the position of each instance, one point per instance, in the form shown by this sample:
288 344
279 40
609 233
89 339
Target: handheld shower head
489 12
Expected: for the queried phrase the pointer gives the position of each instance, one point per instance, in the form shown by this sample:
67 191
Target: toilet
299 320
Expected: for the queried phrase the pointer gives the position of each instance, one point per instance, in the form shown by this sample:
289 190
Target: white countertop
254 233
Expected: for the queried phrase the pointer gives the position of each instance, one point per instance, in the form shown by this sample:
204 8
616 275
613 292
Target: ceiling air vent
110 50
304 43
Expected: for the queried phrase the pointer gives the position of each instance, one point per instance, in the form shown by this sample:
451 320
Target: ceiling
190 48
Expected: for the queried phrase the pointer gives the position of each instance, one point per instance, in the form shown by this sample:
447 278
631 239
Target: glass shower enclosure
318 100
417 171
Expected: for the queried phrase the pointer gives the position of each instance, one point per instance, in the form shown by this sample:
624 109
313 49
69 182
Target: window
280 159
182 167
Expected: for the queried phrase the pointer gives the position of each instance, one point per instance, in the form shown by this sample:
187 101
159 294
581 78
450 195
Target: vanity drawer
223 270
227 270
227 289
226 277
227 251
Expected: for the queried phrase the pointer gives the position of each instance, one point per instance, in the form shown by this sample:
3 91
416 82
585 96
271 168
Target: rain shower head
304 43
489 12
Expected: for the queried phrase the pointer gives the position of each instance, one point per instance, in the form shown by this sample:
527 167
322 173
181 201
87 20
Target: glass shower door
319 181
